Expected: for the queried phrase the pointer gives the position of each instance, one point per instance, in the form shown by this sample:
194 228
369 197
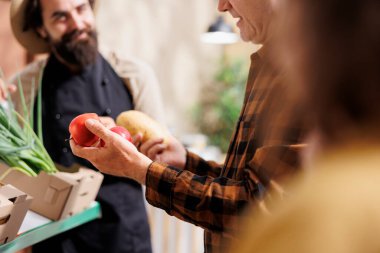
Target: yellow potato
138 122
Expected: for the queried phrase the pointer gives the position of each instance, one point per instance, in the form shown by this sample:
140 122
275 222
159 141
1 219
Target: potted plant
220 104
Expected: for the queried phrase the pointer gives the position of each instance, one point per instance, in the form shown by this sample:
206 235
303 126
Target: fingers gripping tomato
120 131
79 132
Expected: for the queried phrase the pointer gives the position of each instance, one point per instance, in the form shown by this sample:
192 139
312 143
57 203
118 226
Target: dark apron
124 225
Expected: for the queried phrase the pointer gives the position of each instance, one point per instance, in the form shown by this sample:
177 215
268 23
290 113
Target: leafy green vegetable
20 147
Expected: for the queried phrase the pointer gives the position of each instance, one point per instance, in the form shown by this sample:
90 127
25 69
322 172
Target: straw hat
28 39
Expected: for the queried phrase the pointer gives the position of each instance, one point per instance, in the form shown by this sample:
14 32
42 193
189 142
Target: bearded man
77 79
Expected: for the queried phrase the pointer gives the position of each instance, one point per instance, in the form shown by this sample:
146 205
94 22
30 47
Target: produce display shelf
50 229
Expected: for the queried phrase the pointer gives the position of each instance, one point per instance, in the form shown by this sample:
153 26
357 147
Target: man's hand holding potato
153 139
118 157
171 152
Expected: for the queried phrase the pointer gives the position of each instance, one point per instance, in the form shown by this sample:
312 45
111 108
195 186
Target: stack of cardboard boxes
13 207
54 196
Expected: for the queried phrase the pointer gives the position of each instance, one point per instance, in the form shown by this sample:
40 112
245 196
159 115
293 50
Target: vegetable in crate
20 148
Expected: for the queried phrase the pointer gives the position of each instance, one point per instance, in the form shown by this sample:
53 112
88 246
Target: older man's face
253 17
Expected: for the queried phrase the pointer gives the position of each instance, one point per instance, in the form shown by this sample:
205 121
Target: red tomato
79 132
120 131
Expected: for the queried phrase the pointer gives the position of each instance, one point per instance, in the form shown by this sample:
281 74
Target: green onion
20 147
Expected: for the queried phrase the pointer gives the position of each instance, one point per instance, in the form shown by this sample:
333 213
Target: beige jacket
334 209
137 76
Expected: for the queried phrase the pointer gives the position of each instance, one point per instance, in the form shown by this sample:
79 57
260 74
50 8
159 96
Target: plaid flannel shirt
211 195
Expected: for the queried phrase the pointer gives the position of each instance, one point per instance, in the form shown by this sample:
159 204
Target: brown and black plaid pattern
213 196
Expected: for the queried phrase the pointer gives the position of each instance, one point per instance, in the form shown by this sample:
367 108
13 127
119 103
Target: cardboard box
13 207
59 195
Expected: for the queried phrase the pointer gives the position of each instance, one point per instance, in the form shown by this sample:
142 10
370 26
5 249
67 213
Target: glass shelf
51 228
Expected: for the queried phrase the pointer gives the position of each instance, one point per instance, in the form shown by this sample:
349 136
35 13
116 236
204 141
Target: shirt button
108 111
58 116
105 81
65 150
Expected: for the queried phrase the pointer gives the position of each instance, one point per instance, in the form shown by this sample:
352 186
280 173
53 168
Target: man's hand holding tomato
107 121
120 131
118 157
82 136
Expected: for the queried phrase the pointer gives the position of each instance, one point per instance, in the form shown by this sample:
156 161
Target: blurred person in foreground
332 49
77 79
205 193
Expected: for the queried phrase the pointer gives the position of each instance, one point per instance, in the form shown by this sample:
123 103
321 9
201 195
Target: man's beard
79 53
